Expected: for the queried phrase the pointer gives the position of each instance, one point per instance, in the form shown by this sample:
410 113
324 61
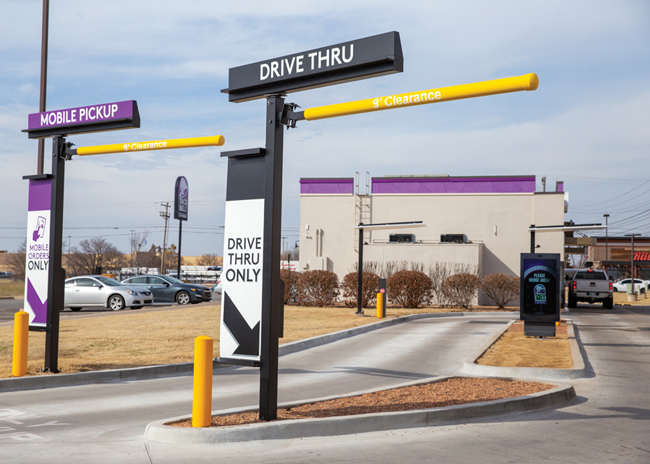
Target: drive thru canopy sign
348 61
255 310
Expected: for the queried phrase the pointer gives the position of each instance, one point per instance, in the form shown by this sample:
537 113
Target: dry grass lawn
11 288
513 349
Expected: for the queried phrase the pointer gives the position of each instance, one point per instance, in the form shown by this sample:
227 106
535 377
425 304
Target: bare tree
139 259
209 259
93 254
16 261
171 259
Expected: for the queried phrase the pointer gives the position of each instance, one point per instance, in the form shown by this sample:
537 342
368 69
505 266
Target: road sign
181 199
165 144
348 61
85 119
241 276
423 97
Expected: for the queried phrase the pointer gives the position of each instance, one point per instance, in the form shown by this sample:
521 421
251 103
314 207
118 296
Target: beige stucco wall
498 221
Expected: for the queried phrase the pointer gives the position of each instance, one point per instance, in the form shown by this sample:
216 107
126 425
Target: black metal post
271 283
41 106
532 239
360 273
606 239
56 274
632 264
180 235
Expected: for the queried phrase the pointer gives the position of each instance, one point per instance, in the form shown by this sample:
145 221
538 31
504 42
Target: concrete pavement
609 421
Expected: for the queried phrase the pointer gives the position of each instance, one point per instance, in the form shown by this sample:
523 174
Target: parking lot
10 306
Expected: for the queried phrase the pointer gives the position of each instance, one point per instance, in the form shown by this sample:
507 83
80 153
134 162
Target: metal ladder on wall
363 210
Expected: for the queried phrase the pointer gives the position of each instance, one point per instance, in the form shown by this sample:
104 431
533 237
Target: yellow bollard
380 305
202 399
21 338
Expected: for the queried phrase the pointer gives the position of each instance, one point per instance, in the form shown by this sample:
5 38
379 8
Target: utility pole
68 260
632 259
283 255
132 260
606 216
165 216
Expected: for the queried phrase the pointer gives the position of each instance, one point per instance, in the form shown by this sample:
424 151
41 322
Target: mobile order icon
40 229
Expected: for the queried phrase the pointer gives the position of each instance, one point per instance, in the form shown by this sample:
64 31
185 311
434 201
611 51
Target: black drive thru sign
344 62
241 278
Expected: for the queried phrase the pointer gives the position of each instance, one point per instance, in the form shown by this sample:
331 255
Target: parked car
621 285
217 288
101 291
168 289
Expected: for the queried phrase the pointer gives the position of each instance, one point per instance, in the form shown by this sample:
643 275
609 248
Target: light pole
606 216
632 260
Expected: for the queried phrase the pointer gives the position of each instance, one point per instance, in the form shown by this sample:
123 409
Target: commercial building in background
614 255
480 222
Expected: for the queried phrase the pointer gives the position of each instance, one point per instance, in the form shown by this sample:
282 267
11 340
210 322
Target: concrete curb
578 371
345 425
7 298
170 370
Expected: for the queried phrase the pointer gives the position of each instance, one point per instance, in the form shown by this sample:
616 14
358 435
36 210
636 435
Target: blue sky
587 124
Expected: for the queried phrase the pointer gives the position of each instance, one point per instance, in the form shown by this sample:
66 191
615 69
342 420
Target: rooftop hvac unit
401 238
453 238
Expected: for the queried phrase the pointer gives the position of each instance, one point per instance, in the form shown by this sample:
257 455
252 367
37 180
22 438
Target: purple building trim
411 185
330 186
40 194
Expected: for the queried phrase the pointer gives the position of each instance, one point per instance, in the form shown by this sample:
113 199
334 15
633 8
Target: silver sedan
101 291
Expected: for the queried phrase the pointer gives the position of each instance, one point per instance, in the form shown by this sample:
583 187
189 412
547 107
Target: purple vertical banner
181 199
37 251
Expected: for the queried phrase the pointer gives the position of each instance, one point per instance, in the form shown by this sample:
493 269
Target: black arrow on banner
248 339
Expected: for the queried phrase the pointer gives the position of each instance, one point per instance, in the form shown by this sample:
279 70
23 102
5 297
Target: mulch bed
433 395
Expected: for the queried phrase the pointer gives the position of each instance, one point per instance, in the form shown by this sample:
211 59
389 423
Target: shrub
409 289
439 272
290 279
500 288
370 282
459 289
317 288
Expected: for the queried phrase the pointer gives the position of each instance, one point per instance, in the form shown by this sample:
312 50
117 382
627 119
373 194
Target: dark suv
167 289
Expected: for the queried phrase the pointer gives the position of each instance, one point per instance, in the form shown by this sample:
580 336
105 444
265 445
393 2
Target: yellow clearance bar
455 92
193 142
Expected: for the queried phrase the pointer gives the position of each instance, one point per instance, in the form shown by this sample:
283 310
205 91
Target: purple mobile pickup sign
37 251
93 118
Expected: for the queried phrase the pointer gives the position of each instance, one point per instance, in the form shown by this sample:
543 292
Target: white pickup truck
591 286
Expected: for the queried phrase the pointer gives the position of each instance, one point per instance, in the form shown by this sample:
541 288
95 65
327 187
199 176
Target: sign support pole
56 275
180 234
271 283
360 273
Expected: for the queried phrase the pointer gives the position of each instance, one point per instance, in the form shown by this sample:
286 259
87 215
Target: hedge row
407 288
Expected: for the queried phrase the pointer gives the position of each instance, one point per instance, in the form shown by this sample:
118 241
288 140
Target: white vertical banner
241 279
